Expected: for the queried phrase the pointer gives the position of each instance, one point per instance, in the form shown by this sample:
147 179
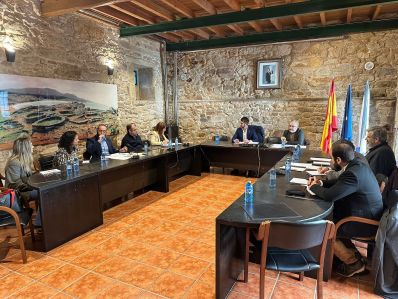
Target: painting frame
269 74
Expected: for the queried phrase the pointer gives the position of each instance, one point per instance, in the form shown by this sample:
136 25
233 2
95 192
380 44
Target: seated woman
67 149
18 169
157 135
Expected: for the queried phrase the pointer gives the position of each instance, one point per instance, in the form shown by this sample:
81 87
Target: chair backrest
296 236
222 138
46 162
274 140
259 132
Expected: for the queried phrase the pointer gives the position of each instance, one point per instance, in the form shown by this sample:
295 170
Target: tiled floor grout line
276 282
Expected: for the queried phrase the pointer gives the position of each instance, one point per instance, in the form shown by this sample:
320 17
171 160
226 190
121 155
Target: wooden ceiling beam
276 24
323 18
259 3
154 8
180 7
211 9
287 35
298 21
218 31
235 5
133 11
376 12
110 12
207 6
51 8
349 15
266 13
169 36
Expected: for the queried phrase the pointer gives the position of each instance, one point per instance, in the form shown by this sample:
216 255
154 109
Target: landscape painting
46 108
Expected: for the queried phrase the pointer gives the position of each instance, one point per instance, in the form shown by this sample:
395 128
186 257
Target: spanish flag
330 125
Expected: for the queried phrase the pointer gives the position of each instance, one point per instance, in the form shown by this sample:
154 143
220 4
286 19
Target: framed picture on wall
269 73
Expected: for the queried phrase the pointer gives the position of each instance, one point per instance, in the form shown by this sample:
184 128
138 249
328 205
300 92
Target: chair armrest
356 219
11 212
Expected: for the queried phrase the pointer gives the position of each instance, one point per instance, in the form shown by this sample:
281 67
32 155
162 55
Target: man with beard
354 193
294 135
380 156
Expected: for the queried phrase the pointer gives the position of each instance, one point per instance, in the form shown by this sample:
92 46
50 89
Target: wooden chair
285 248
19 220
369 240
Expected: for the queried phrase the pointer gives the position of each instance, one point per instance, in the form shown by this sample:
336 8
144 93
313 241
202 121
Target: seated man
244 133
294 135
100 145
354 193
132 140
380 157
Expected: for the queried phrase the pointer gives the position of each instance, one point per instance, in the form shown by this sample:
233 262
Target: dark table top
39 181
273 204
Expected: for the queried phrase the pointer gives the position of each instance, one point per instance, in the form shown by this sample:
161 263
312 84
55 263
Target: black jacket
298 137
355 192
94 149
381 159
132 143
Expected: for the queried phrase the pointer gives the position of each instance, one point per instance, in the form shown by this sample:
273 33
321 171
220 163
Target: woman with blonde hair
157 135
19 167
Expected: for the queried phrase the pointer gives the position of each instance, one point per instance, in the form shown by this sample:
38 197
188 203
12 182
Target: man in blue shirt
244 133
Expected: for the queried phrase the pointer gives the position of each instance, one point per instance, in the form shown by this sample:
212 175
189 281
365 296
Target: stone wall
75 47
217 87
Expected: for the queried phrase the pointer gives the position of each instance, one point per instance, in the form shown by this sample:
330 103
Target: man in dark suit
100 145
380 156
354 193
132 140
244 133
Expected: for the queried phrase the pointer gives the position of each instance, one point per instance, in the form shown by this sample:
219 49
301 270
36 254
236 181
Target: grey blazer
16 177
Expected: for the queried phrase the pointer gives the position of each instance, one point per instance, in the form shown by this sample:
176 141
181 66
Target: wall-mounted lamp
109 65
10 51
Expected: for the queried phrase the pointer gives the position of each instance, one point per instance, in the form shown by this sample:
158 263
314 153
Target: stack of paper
303 165
50 172
295 168
320 159
315 173
299 181
120 156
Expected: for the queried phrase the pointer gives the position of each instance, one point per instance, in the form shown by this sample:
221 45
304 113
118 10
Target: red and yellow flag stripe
330 125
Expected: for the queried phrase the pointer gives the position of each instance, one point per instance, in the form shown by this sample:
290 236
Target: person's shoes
348 270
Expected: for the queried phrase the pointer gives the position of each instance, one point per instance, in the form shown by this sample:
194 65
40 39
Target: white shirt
244 134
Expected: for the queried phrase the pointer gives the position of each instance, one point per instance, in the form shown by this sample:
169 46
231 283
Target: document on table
312 167
321 163
299 181
315 173
305 165
295 168
320 159
50 172
294 145
250 142
172 145
120 156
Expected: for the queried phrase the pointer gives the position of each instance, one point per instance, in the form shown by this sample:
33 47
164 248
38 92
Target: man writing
100 145
244 133
355 193
132 140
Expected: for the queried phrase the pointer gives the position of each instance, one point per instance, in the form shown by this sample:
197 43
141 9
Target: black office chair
259 132
274 140
222 138
285 248
46 162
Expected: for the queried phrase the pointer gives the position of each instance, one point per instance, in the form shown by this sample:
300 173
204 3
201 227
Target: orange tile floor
153 246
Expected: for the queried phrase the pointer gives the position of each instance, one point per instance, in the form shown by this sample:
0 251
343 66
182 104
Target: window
4 108
143 81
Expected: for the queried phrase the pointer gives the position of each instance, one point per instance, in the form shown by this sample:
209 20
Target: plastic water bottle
170 145
146 148
296 153
272 178
249 192
176 144
68 168
283 142
103 157
217 139
288 164
76 166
